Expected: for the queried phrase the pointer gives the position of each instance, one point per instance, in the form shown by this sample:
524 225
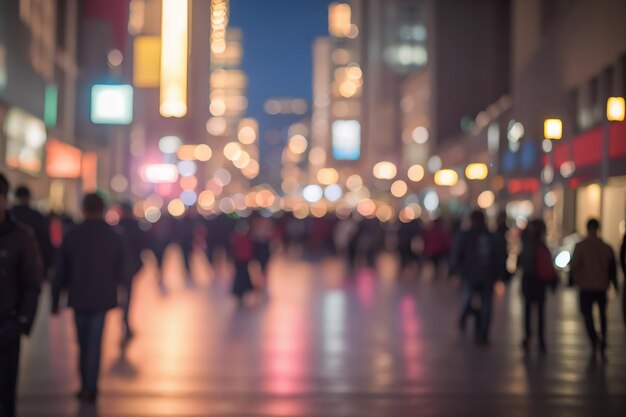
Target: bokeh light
312 193
486 199
187 168
298 144
399 188
333 192
416 173
189 197
176 207
169 144
385 170
202 152
327 176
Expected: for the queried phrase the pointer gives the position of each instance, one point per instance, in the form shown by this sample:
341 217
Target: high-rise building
38 84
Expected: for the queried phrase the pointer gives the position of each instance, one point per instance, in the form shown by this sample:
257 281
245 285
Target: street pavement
316 343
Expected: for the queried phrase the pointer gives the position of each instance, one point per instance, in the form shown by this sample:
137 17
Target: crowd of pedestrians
93 260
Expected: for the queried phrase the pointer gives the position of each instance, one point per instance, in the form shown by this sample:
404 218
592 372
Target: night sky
277 39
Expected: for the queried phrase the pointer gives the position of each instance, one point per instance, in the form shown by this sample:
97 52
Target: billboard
346 139
26 137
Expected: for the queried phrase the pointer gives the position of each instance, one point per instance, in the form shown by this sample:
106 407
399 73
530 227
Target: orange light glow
62 160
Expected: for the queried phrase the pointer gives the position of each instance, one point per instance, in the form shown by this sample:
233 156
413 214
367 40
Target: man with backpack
474 257
593 270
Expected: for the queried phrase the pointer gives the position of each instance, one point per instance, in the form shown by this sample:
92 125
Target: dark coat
21 274
36 221
90 265
475 257
135 242
533 288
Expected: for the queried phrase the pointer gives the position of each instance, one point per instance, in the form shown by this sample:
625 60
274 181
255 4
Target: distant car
563 254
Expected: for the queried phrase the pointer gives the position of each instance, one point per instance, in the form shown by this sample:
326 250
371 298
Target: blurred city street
318 344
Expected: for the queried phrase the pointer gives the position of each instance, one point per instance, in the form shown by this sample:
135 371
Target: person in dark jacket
23 213
91 266
161 235
533 284
474 258
20 277
593 270
502 244
407 234
243 253
135 240
185 236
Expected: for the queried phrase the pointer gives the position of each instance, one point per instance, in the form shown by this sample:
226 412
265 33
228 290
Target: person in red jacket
243 253
437 245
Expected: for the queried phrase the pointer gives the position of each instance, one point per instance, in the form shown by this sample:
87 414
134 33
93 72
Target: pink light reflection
365 288
286 349
411 346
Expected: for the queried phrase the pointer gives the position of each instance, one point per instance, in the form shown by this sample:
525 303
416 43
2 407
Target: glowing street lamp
553 129
615 109
446 177
476 171
385 170
339 19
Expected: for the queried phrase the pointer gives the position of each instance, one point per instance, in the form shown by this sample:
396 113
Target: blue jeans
89 327
483 316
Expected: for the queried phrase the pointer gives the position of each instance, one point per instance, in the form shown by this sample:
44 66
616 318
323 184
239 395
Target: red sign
62 160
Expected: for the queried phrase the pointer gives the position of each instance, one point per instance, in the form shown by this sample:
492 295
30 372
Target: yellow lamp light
339 19
385 170
476 171
553 129
615 109
327 176
446 177
174 58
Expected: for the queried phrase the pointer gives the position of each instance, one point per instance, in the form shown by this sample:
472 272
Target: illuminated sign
26 137
174 58
147 61
112 104
50 105
89 174
62 160
346 140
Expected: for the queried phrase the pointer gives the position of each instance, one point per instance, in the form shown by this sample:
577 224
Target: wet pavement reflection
314 342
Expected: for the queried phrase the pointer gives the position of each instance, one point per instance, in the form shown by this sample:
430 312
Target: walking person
185 236
91 266
502 243
243 253
593 270
20 279
474 257
437 243
538 274
161 235
135 243
23 213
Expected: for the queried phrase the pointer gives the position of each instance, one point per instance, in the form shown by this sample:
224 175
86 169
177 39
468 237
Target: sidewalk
323 346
